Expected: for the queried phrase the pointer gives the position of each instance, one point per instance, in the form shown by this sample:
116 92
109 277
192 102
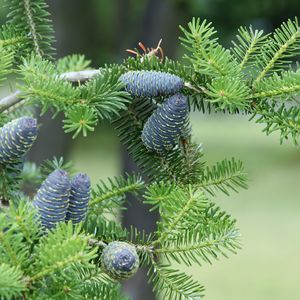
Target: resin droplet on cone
119 260
151 83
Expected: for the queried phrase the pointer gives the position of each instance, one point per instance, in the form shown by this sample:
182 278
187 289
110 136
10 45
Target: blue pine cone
151 83
163 129
16 138
120 260
52 199
79 198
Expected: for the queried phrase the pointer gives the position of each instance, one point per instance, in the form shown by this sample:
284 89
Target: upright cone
16 138
52 199
151 83
163 129
79 198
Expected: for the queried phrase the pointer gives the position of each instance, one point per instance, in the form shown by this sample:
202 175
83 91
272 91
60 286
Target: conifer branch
32 26
80 76
249 43
202 243
10 38
284 43
284 86
59 265
11 282
30 19
61 248
119 186
172 284
187 201
9 250
224 176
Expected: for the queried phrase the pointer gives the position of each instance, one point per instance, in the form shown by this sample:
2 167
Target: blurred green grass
268 213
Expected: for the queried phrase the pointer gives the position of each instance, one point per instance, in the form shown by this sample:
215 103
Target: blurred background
268 214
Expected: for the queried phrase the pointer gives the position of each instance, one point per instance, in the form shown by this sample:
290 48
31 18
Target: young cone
163 129
119 260
79 198
151 83
52 199
16 138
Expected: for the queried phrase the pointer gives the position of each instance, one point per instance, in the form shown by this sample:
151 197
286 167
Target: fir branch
182 209
60 249
197 245
10 39
224 176
158 193
282 86
43 86
32 26
6 62
118 187
24 217
107 292
9 181
72 63
80 118
248 45
229 93
31 19
104 230
94 280
94 276
282 118
206 55
171 284
105 93
284 44
12 248
15 98
12 284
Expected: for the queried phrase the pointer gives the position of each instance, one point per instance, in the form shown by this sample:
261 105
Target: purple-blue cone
119 260
52 199
79 198
151 83
16 138
163 129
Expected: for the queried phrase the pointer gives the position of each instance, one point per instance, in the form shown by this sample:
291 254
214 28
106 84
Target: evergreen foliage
256 76
30 19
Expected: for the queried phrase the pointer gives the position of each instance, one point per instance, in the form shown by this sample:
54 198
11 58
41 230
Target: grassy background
268 212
